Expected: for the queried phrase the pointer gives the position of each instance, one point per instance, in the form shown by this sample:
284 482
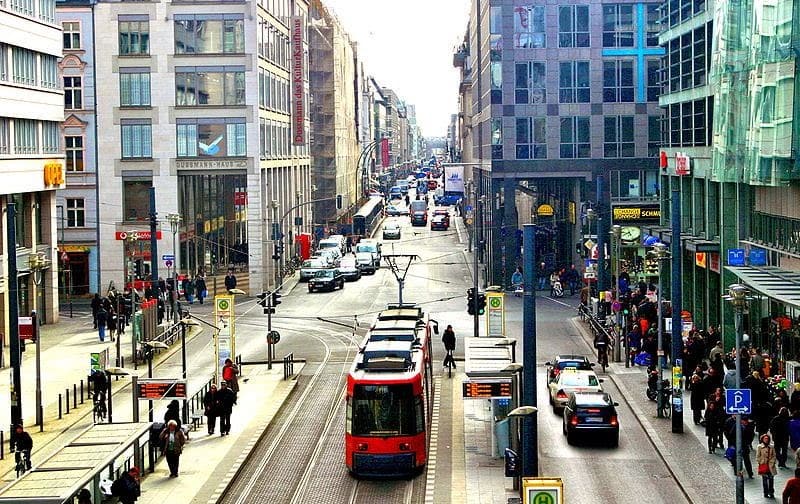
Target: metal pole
677 307
183 370
39 419
153 243
659 352
150 375
135 398
475 252
13 317
620 329
109 398
602 235
269 328
530 441
738 468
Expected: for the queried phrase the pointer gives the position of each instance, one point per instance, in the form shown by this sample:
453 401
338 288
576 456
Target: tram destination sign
161 389
487 388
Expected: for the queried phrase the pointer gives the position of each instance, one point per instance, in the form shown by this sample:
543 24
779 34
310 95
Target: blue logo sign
735 257
758 257
168 257
211 149
738 401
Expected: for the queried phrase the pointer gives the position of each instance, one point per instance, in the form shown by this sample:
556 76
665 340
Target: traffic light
277 250
137 269
481 303
263 300
471 301
338 202
276 298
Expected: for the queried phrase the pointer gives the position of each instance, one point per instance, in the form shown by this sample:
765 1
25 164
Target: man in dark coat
126 487
96 304
21 441
230 280
449 341
226 400
698 399
779 428
212 407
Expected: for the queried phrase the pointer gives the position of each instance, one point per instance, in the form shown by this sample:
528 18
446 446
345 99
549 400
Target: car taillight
561 395
574 420
405 446
592 410
362 447
613 420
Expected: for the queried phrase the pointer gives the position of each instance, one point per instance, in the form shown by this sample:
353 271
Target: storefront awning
779 284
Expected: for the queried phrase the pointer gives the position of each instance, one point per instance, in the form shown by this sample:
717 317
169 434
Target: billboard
298 82
454 179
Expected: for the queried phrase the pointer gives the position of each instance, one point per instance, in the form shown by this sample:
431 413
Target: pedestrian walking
96 304
573 277
794 430
226 401
172 441
541 275
449 341
188 289
127 486
21 442
173 412
84 496
111 323
102 320
698 399
211 406
791 492
779 428
713 425
230 374
200 286
765 458
349 243
230 280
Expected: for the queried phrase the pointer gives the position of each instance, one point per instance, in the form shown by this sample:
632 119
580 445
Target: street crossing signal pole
13 318
530 434
265 300
677 307
153 244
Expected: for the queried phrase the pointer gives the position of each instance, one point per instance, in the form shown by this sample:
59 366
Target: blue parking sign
738 401
735 257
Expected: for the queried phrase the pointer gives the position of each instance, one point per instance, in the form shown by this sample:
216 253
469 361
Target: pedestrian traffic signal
263 300
276 251
338 202
471 301
481 303
137 269
276 298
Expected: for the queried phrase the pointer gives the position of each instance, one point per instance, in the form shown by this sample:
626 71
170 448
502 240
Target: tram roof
370 205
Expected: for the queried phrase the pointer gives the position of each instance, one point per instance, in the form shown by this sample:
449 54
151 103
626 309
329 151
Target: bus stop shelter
101 450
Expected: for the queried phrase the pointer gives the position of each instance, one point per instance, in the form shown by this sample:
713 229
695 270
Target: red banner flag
385 152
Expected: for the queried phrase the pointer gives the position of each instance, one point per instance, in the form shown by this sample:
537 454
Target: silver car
311 266
391 231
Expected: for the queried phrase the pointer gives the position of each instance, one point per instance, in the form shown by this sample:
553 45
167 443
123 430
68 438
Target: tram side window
380 410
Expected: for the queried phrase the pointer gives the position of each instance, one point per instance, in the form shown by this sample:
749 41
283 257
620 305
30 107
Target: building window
134 87
530 83
73 93
531 138
49 71
496 19
529 27
618 81
47 10
137 139
618 137
497 138
653 79
209 86
211 137
653 24
209 33
74 150
51 134
573 84
573 26
136 199
618 25
575 137
24 66
72 34
5 135
23 6
25 137
76 212
3 62
134 37
496 71
653 136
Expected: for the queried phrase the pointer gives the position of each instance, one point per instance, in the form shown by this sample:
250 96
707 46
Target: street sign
495 319
542 491
738 401
469 221
152 388
25 325
273 337
168 257
486 388
168 264
736 257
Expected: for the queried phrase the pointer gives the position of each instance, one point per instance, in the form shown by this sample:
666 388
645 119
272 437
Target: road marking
430 482
562 303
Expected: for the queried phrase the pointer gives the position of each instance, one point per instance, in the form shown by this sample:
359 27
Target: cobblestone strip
430 483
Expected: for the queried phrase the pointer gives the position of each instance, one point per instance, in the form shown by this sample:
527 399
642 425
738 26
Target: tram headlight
405 446
362 446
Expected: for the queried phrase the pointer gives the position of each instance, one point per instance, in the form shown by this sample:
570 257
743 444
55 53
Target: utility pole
530 434
153 243
677 325
13 318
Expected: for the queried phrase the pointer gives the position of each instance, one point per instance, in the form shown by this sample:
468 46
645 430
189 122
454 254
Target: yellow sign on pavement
542 491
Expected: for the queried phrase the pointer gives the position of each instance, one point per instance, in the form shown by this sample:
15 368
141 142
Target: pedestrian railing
288 366
195 409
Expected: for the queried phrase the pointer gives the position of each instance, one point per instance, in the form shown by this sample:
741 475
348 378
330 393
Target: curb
663 452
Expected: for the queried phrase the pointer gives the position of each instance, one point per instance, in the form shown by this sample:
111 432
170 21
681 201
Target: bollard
74 396
2 445
66 394
41 415
81 391
59 406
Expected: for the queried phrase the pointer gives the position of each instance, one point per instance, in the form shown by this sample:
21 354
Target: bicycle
99 410
23 461
449 363
602 355
664 406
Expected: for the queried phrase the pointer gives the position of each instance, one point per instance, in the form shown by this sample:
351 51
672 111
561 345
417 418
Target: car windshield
579 380
386 410
390 226
312 264
591 400
330 244
365 248
323 274
571 364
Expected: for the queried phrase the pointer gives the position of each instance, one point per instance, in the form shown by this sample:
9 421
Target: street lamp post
37 264
659 253
174 221
738 296
616 231
591 216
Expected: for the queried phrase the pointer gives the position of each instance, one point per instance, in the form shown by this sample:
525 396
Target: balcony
460 56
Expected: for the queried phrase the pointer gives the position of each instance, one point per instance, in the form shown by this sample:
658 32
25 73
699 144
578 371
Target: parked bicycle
99 409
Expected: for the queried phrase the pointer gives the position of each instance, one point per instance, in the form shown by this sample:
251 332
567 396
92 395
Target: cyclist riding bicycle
22 443
601 343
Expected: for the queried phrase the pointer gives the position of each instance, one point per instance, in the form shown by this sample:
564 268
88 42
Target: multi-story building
730 98
392 127
194 99
561 96
334 123
77 204
31 155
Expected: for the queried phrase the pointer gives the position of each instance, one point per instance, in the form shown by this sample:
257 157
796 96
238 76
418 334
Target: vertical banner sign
385 152
226 337
496 317
298 82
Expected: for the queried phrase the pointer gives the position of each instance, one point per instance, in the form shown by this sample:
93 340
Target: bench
196 420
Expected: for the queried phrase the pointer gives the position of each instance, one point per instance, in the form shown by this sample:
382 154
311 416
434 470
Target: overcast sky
407 45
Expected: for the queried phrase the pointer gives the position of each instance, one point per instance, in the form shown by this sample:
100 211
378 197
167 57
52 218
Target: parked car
439 222
593 414
311 266
373 247
350 270
391 231
328 279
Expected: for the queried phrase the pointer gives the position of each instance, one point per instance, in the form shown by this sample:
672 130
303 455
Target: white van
329 243
373 247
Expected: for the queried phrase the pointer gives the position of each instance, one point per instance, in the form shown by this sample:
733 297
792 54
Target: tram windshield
386 410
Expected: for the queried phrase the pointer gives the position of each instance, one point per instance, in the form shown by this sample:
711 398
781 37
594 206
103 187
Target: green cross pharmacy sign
543 491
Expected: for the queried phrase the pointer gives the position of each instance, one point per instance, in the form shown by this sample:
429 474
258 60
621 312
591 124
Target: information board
487 389
495 319
162 389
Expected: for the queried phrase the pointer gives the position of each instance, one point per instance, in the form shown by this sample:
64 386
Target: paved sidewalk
706 478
